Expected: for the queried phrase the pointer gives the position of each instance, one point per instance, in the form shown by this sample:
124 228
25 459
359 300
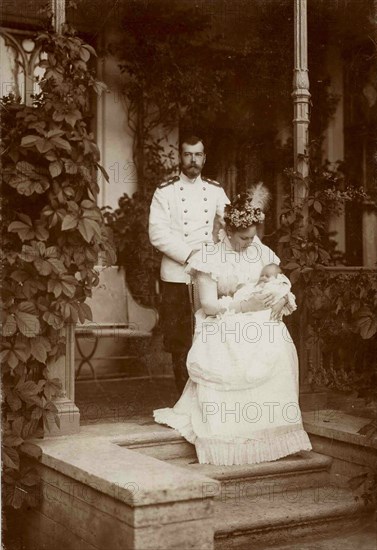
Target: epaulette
169 182
212 182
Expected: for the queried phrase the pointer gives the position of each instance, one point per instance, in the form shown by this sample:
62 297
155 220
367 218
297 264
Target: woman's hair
246 209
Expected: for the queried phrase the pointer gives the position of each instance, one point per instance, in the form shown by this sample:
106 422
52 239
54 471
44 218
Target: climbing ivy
52 233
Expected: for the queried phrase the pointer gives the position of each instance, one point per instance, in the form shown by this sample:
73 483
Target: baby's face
269 272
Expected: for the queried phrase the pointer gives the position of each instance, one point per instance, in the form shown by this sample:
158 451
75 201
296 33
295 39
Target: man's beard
192 170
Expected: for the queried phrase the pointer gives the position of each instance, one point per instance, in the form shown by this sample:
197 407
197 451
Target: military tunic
181 219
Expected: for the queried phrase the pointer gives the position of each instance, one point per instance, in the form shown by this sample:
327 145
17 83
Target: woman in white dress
240 404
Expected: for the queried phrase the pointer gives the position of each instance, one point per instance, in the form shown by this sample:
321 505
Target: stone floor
123 392
123 400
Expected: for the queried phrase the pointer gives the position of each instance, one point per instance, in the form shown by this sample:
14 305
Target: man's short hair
190 140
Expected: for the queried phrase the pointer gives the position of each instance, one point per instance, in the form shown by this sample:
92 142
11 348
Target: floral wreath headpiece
247 208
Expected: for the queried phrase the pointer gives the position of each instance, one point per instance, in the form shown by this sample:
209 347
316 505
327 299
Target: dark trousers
177 323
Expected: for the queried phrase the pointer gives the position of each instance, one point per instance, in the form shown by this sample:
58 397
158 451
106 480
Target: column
58 11
301 97
64 369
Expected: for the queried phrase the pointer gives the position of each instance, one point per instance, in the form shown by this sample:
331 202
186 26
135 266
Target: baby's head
269 271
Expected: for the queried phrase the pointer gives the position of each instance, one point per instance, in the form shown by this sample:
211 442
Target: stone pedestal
64 369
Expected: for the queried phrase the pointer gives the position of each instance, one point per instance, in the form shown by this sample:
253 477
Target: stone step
285 518
306 469
363 537
163 444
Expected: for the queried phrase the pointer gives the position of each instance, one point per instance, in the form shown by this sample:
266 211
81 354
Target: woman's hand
257 302
276 310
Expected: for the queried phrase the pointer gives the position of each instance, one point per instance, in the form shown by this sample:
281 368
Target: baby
271 280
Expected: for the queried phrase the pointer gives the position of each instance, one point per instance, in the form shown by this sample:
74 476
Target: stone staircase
270 504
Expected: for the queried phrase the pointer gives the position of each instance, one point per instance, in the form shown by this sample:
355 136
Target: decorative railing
335 362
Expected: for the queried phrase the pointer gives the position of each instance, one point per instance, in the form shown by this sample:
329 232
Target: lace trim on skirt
279 442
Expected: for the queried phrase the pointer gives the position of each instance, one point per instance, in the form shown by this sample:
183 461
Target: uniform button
183 199
185 223
185 211
186 234
205 198
206 233
204 188
181 188
207 221
206 210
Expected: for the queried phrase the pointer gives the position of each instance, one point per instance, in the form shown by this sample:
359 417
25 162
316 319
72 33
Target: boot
180 370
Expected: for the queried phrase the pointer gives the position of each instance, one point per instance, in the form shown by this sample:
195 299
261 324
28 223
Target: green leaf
17 425
103 171
41 232
15 497
10 326
88 228
13 400
53 319
29 141
99 87
52 388
38 349
90 49
292 265
294 276
72 117
11 458
24 231
27 180
31 449
86 311
70 166
68 289
317 206
366 323
54 286
31 478
69 222
61 143
57 265
84 54
42 266
285 239
12 440
44 145
27 323
55 168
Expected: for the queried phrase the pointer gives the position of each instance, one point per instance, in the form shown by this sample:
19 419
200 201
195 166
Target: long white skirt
240 405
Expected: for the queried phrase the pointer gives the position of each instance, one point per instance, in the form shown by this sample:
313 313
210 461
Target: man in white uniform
181 219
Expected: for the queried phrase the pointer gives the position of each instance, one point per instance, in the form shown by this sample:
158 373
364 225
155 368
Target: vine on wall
52 233
342 306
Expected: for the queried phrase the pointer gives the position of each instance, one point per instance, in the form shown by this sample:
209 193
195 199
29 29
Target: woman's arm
207 288
211 305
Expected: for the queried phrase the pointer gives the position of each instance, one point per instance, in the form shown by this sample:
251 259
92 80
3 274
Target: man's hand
194 251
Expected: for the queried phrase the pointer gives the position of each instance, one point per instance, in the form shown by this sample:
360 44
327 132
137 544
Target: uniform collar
185 179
